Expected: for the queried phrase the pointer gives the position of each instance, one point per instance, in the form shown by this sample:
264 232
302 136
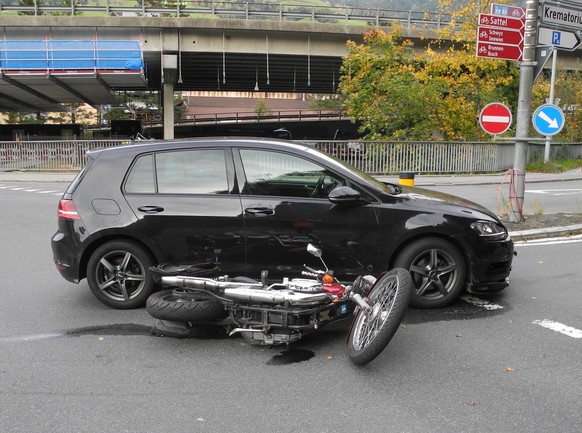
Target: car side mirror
345 195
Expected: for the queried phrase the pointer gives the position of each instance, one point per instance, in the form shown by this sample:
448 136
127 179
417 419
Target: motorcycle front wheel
371 331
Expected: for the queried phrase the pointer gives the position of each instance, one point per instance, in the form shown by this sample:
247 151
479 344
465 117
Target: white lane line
481 303
37 191
19 338
559 327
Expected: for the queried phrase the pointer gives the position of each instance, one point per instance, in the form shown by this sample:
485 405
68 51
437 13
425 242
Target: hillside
415 5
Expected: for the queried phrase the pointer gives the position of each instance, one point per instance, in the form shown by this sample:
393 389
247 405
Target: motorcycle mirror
312 249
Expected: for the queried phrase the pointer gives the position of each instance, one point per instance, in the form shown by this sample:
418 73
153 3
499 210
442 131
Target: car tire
437 268
118 274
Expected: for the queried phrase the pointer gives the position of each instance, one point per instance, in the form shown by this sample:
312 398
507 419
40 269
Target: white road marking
564 191
37 191
559 327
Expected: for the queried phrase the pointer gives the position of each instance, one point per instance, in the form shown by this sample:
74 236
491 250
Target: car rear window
79 177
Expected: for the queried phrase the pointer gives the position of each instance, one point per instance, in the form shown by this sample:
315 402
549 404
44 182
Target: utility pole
524 111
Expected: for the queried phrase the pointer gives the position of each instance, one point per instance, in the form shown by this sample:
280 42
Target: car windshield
384 187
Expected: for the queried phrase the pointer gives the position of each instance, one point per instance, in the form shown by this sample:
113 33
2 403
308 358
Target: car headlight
489 230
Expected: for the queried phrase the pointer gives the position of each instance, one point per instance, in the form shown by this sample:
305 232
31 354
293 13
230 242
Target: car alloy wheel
118 274
437 269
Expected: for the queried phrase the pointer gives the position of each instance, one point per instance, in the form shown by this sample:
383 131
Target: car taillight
67 210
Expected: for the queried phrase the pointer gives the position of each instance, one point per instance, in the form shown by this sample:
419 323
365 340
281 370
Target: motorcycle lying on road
282 313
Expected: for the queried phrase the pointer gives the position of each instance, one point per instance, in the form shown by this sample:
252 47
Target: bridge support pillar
169 79
168 108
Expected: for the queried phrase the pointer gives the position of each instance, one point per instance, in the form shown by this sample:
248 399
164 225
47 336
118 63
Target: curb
550 232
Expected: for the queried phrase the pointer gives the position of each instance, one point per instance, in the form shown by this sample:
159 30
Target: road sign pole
551 101
523 112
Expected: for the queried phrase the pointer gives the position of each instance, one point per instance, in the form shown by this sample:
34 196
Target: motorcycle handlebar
316 272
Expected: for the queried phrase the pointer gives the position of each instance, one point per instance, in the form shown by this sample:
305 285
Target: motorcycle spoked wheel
371 332
190 306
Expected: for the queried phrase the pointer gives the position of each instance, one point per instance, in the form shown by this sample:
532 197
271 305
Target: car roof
154 145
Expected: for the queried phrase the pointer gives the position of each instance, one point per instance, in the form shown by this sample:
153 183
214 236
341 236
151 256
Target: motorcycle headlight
489 230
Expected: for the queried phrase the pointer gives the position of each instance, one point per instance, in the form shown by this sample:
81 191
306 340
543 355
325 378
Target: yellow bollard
407 178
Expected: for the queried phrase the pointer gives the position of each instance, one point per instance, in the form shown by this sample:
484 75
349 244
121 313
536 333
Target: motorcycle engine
303 285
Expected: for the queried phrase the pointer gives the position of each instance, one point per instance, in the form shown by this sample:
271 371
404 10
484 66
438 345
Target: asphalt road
540 198
506 363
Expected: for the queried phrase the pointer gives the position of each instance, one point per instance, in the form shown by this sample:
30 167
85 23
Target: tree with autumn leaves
401 94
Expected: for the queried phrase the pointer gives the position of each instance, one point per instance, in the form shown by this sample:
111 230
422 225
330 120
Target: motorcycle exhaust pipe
242 291
193 283
275 296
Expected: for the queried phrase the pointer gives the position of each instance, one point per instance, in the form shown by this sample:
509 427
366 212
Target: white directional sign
558 38
561 15
507 11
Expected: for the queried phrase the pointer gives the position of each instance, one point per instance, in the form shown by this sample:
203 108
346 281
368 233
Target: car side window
281 174
199 171
141 178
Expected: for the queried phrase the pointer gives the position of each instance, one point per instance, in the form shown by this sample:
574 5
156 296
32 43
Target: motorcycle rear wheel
371 332
195 308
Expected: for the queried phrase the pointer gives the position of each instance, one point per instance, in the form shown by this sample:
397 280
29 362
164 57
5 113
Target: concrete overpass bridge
179 54
192 46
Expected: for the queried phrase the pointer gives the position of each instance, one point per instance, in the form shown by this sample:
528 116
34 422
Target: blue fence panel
70 55
15 55
119 55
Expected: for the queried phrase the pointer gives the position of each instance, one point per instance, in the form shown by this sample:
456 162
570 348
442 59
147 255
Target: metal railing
274 115
237 10
421 157
374 157
49 155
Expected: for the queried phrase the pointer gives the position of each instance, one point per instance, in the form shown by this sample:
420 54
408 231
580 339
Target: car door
186 201
285 207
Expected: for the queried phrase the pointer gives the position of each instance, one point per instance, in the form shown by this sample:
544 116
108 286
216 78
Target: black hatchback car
251 205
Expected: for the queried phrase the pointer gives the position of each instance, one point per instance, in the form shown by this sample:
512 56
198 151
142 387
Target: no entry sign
495 118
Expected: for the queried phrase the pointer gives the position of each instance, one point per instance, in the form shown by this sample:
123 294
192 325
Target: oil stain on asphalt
291 356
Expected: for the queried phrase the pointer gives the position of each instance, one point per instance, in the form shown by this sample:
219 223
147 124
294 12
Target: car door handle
150 209
259 211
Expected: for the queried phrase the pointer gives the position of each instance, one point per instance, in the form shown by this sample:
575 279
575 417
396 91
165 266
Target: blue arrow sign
548 119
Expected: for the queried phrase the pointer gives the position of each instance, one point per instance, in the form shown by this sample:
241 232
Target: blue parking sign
548 119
